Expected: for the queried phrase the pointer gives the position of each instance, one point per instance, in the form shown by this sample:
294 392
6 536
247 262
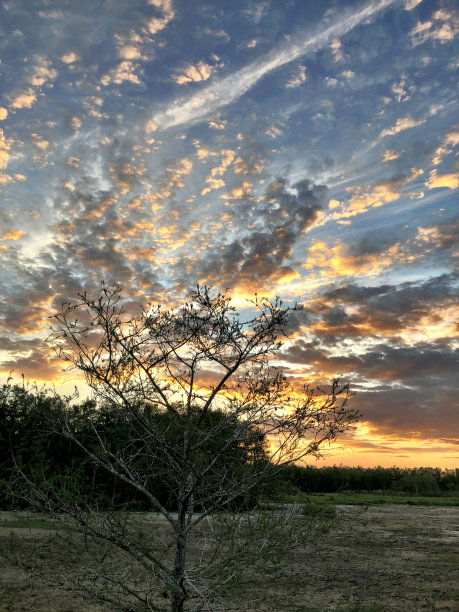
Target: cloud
23 99
382 362
3 113
255 254
256 11
13 234
411 4
340 261
448 179
443 236
5 145
337 51
70 57
194 73
232 87
366 197
227 157
412 412
402 91
401 124
390 155
30 358
298 78
42 72
124 71
413 310
443 26
449 141
156 24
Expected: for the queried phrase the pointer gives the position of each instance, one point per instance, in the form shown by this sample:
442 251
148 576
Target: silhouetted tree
204 410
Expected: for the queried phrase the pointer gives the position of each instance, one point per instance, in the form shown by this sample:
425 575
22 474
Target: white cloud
400 90
411 4
228 89
337 50
298 78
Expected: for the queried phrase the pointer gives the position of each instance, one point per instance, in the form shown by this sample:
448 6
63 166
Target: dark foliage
31 441
415 481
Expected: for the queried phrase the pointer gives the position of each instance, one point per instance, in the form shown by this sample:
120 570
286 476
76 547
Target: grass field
369 499
402 558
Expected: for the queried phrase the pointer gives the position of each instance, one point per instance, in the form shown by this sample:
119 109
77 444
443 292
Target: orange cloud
337 261
13 235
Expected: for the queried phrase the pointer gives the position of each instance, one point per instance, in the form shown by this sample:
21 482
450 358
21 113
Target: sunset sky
296 148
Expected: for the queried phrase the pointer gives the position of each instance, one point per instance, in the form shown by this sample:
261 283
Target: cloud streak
232 87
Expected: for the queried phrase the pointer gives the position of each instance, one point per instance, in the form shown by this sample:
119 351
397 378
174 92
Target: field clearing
389 557
352 498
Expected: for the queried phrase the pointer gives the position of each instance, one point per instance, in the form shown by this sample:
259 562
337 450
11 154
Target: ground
389 557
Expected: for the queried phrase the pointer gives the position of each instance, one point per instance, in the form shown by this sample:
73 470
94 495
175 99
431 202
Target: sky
287 147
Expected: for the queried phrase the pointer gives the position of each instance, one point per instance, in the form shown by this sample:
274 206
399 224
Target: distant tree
204 410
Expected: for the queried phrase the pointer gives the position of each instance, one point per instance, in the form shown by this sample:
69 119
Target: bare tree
206 407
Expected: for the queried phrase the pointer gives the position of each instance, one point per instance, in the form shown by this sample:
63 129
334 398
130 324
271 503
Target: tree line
331 479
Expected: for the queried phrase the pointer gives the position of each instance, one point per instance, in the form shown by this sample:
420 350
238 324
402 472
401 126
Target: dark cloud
382 362
260 257
384 308
428 411
32 358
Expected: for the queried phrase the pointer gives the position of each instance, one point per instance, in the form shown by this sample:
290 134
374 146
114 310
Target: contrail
224 91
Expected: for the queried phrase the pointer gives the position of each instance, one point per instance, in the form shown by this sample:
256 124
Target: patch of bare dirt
401 558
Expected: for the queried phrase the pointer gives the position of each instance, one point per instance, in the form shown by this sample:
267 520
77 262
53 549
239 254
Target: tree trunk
179 594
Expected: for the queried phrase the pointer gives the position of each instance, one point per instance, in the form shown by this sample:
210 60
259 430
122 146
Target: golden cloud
449 141
401 124
194 73
337 261
212 184
5 145
23 99
390 155
449 180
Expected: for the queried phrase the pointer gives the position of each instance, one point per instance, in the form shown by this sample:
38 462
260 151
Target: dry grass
403 558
